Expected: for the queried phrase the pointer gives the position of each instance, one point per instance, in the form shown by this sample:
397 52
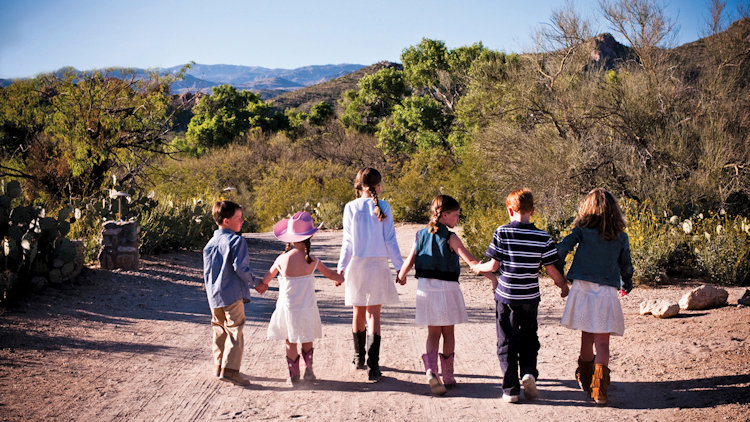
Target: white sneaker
529 386
510 398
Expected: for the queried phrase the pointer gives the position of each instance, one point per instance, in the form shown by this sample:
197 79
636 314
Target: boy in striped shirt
518 250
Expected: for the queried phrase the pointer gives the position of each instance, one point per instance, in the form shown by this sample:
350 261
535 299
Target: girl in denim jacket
600 267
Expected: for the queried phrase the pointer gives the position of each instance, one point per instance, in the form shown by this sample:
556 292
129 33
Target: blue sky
43 35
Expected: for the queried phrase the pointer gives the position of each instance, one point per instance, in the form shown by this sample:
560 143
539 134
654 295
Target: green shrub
478 225
169 226
290 186
721 245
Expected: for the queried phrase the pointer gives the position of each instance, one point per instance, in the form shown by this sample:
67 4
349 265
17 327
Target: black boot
360 337
373 355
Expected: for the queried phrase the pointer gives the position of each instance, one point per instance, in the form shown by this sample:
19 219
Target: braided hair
307 250
367 179
439 205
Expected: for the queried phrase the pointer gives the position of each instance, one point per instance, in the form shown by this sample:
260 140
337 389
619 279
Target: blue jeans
517 342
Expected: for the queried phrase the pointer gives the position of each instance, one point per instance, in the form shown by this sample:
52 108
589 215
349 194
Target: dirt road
134 345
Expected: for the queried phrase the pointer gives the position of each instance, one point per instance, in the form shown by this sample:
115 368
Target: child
227 274
296 318
519 249
369 240
600 266
440 303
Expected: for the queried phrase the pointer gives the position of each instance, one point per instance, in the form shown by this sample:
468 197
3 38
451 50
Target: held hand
564 290
261 288
401 281
622 293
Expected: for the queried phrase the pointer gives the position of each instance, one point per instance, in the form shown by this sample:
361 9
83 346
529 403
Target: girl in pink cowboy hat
296 318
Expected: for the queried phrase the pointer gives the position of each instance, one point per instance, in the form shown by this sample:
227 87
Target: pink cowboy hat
295 229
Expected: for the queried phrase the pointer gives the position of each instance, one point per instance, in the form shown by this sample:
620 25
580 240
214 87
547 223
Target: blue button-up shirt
226 269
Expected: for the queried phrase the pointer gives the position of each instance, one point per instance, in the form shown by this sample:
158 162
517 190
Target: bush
168 226
479 225
721 245
290 186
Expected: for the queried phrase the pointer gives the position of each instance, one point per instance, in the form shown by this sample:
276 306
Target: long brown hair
367 179
600 210
439 205
307 250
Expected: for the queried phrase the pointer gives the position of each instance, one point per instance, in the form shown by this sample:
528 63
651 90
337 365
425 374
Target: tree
223 116
374 100
441 73
417 123
90 124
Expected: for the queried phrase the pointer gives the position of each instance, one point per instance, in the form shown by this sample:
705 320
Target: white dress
368 282
439 303
593 308
296 316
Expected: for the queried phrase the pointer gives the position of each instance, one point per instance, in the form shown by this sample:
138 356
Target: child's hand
622 293
261 288
564 290
401 281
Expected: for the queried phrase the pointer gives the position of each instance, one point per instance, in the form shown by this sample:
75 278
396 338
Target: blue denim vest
434 257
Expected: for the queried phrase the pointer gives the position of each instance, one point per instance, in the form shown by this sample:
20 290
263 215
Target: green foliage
75 129
170 226
721 245
320 112
288 187
417 123
479 224
225 115
375 99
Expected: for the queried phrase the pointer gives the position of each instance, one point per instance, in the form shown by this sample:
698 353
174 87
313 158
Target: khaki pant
227 323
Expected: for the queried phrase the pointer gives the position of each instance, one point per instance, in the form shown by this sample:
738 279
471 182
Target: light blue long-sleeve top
367 237
226 269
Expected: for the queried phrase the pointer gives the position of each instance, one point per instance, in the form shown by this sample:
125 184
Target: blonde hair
307 250
600 210
439 205
367 179
520 201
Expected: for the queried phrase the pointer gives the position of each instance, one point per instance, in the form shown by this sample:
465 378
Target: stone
126 262
704 297
79 259
127 249
111 232
745 299
665 310
659 308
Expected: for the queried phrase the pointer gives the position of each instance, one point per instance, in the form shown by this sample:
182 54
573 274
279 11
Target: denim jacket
597 260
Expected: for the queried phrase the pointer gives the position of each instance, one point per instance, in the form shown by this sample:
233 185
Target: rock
665 310
647 305
659 308
745 299
704 297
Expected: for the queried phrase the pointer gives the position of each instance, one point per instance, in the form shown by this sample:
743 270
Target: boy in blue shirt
518 250
228 276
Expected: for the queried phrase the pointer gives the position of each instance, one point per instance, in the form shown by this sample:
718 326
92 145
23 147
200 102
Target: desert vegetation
665 128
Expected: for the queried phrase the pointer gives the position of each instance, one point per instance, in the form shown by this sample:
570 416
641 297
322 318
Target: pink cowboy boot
308 357
430 366
446 364
293 371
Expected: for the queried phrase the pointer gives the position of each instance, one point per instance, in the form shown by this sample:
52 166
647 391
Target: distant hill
5 82
304 98
202 77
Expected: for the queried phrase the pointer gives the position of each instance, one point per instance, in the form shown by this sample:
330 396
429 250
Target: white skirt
593 308
368 282
440 303
296 317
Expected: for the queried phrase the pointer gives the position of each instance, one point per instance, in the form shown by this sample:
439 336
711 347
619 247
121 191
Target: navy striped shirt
521 249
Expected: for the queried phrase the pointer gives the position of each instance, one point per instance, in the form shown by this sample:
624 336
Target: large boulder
704 297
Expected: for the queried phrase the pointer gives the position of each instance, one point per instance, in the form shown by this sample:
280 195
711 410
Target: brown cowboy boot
583 374
599 384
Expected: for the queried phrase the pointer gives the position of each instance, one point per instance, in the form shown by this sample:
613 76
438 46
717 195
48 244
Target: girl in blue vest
440 303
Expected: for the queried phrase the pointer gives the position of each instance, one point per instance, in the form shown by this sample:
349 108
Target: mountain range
269 82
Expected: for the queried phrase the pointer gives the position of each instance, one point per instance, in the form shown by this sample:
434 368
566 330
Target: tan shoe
234 376
600 384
